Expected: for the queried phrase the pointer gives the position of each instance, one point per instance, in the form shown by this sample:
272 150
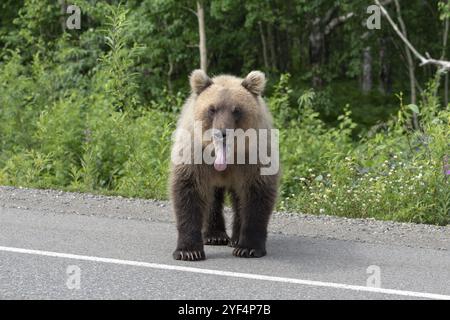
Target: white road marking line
228 273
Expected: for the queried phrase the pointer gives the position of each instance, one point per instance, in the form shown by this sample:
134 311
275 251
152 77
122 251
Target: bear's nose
220 134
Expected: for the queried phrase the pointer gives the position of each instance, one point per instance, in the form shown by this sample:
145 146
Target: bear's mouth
220 162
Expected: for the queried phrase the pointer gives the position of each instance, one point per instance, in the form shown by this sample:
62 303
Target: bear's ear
255 82
199 81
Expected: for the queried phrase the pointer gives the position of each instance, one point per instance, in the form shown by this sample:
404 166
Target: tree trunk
284 50
444 52
385 78
446 91
411 68
264 46
63 8
273 57
412 76
202 34
366 78
169 76
316 52
321 28
281 51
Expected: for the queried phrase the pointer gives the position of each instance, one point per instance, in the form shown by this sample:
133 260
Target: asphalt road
56 245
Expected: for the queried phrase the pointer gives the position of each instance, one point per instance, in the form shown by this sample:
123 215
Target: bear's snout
219 134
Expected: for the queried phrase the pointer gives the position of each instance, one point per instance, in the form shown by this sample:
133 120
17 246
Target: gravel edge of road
305 225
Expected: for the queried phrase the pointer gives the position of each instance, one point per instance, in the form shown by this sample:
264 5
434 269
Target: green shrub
62 126
63 129
394 173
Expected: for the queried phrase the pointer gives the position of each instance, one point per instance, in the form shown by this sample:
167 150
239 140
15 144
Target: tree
366 81
202 36
428 60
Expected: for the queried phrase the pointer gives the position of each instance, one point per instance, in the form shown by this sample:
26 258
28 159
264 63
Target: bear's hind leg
236 219
214 232
255 214
189 209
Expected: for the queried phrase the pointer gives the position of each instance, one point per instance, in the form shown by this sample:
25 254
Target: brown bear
222 105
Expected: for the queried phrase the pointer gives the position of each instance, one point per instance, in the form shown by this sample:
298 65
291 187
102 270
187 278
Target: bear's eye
237 112
211 111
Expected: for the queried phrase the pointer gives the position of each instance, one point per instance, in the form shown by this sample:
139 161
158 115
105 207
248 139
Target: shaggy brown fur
198 190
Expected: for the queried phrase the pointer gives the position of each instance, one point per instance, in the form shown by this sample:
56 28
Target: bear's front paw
189 255
243 252
217 238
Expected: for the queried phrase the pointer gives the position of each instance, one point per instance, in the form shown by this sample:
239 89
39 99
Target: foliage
392 173
86 135
94 109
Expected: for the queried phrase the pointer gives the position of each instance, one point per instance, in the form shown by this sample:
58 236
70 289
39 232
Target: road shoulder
324 227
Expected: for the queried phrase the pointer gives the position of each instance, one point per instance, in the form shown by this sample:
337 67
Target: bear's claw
187 255
248 252
216 239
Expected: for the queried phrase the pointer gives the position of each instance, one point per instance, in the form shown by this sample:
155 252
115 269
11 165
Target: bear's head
226 103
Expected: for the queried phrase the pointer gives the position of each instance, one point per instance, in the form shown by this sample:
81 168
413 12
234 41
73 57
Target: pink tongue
220 163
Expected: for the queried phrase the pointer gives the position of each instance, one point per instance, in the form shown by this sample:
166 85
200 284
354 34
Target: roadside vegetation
92 112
